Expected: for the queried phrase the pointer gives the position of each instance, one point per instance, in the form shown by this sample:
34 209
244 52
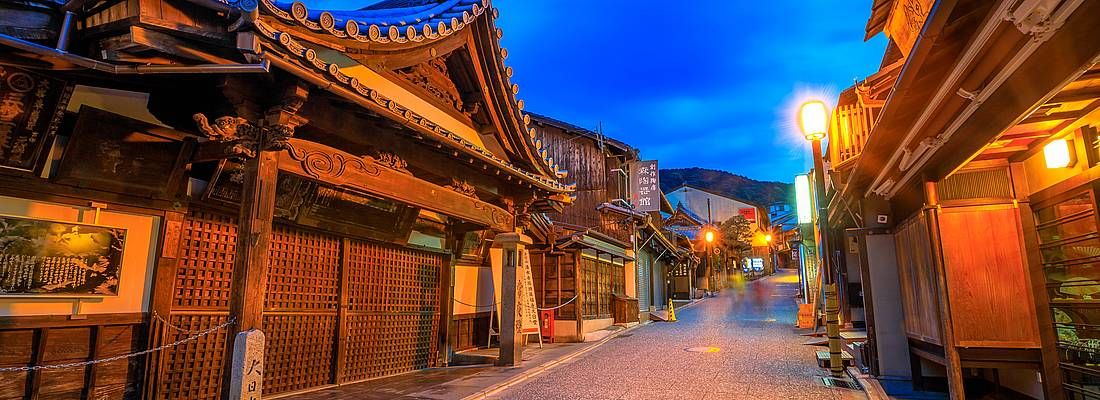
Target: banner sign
51 258
646 194
529 310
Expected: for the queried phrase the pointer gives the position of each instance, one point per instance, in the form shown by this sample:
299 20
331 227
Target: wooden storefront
992 190
303 186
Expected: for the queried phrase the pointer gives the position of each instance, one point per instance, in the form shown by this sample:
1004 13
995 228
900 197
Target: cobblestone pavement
761 355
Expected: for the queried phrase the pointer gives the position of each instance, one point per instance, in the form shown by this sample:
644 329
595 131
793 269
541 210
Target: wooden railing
851 126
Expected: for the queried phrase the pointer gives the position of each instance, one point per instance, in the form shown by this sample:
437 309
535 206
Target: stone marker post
511 346
248 366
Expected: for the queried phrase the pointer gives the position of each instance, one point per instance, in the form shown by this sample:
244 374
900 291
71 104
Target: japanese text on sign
646 186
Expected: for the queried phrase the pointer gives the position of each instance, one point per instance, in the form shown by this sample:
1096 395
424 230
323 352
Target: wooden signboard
529 310
321 206
118 154
31 108
62 259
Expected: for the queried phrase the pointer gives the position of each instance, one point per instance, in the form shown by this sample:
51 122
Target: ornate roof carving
285 43
405 21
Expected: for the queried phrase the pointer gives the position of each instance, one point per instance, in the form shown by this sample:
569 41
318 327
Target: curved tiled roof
410 23
419 21
309 58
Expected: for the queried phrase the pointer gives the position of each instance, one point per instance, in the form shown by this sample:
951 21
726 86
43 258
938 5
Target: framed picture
40 257
118 154
31 108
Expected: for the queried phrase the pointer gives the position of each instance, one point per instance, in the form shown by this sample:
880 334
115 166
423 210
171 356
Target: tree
736 234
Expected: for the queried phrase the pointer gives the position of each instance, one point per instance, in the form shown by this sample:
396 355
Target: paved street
760 357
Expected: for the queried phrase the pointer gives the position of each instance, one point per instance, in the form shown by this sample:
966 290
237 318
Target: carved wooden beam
369 175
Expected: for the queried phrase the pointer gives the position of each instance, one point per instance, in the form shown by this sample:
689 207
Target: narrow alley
760 355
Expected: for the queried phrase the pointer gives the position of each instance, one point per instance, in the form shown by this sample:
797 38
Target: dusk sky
693 83
706 83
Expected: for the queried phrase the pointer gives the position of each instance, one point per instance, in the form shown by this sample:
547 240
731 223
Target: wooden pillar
578 304
1052 374
955 381
511 339
262 143
446 296
164 281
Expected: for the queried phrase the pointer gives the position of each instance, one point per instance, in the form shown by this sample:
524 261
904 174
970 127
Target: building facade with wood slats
963 197
320 175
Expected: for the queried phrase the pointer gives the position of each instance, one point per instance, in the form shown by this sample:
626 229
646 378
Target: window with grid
1070 249
590 277
605 289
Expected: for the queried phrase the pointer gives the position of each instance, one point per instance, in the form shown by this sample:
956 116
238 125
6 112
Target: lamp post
813 118
708 268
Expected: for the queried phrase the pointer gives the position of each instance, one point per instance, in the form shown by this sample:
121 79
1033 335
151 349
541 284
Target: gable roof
712 192
585 132
398 33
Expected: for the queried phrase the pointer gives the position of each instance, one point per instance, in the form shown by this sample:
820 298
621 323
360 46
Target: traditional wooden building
176 172
965 174
589 265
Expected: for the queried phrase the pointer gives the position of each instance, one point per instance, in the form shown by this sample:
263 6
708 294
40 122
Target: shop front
291 191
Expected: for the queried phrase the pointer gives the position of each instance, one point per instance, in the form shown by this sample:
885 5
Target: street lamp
709 236
813 118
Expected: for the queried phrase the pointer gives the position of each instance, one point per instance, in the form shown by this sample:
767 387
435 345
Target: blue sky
692 83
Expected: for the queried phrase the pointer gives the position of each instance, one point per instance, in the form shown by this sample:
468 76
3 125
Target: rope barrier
559 305
473 305
540 309
173 327
120 357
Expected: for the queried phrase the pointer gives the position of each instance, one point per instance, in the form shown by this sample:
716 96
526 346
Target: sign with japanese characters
528 308
645 181
53 258
248 366
31 108
748 213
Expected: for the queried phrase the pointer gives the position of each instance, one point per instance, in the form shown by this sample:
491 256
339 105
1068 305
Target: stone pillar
511 341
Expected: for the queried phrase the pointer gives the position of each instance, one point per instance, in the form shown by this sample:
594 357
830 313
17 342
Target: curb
494 389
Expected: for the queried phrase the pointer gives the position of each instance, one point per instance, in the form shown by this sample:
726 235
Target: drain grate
839 383
625 335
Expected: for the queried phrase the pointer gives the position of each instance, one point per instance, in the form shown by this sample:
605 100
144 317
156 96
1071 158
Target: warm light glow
813 118
768 238
1057 154
802 199
709 236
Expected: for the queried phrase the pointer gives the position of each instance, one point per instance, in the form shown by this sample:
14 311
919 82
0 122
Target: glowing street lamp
768 238
709 236
813 118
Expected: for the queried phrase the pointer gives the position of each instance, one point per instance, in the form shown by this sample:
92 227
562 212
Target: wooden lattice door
392 318
393 310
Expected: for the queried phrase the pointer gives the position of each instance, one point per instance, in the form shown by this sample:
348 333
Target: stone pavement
760 355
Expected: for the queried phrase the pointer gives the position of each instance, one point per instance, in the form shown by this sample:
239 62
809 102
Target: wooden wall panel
44 340
916 276
393 313
300 308
987 280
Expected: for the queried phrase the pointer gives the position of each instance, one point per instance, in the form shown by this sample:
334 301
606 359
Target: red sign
748 213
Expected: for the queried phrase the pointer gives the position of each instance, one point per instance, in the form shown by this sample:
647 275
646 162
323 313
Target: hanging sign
646 193
31 108
529 312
